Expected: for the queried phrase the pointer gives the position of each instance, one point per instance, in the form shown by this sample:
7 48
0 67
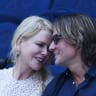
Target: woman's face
34 51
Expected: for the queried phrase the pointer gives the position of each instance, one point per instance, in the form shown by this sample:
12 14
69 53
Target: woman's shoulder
4 72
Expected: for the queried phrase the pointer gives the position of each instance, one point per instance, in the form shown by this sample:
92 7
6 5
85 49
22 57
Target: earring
17 53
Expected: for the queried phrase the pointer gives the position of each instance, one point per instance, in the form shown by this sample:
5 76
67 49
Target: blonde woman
31 56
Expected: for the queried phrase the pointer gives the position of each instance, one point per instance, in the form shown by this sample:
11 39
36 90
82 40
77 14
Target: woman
74 46
30 55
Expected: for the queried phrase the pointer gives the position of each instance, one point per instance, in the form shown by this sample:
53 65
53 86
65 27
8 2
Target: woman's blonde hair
29 27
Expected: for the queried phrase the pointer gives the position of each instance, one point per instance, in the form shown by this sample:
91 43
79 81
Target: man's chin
57 62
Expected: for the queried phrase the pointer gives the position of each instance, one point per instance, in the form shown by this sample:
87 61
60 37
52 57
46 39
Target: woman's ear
18 46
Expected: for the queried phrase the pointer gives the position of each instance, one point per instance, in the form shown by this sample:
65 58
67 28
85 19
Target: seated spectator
30 55
74 46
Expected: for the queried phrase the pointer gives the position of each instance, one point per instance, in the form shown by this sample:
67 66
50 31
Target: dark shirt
64 85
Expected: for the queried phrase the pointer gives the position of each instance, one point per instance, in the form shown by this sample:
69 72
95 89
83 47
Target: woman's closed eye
40 44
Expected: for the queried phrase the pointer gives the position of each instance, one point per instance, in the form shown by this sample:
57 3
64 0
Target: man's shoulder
56 79
54 84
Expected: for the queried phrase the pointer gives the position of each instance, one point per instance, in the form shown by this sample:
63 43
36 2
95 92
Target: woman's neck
20 73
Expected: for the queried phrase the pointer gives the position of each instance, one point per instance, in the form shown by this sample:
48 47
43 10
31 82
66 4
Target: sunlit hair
29 27
79 30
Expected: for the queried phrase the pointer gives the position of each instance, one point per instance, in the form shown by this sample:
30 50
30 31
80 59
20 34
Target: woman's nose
45 51
52 46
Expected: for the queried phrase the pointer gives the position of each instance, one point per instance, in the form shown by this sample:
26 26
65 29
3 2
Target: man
74 46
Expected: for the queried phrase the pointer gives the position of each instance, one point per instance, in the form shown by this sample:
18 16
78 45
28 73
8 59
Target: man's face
64 52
